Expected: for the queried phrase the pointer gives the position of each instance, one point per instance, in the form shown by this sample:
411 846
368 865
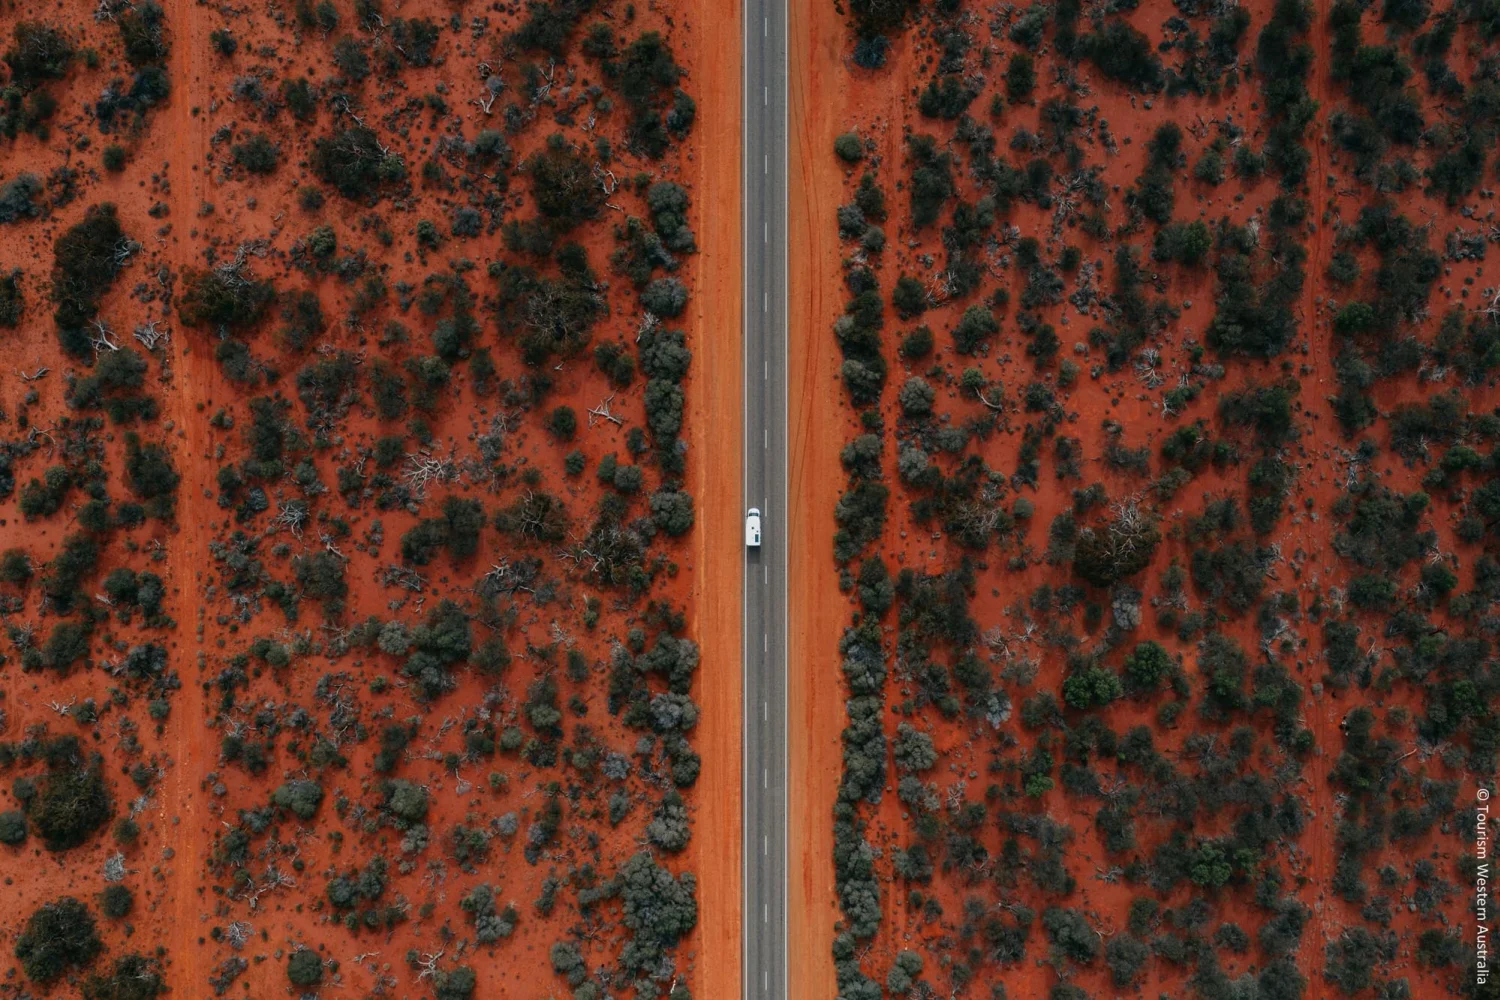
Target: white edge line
786 812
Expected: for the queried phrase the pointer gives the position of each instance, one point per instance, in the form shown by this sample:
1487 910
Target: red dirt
185 162
817 613
714 34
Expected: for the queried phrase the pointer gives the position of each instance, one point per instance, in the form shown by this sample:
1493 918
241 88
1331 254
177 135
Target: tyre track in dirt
181 809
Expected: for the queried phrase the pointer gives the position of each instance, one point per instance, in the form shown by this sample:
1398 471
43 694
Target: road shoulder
817 614
715 429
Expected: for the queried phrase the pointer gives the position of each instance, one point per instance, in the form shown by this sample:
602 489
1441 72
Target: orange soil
713 40
193 750
816 612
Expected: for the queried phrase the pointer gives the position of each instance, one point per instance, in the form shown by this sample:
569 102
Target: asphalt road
765 336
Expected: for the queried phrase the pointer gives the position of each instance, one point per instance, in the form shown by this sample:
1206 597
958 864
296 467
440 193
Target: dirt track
181 807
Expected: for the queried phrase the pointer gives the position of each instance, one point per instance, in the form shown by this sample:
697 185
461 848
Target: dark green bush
12 300
132 977
224 300
304 967
563 423
38 54
301 100
116 901
86 259
1020 76
18 198
143 31
1091 687
1122 53
563 184
256 154
353 161
72 802
13 828
1184 242
672 511
300 795
58 937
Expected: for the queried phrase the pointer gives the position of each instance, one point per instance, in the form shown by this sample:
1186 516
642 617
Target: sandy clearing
817 613
716 430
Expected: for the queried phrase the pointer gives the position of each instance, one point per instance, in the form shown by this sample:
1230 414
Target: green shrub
256 154
86 259
672 511
18 198
143 31
133 977
1020 76
454 984
665 297
1184 242
300 795
224 300
1147 666
304 967
71 803
849 147
302 318
350 59
13 829
1091 687
116 901
58 937
563 423
917 344
976 326
66 645
1122 53
151 475
45 497
301 100
40 53
563 185
1116 550
354 163
12 300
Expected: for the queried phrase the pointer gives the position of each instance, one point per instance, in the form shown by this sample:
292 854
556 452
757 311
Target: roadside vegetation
1168 350
344 636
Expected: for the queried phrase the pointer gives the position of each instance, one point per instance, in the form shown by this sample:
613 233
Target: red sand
716 428
819 105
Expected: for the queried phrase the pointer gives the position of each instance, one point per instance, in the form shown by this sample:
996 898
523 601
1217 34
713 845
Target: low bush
58 937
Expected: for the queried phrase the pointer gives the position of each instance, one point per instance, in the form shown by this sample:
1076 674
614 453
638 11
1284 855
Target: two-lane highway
765 336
